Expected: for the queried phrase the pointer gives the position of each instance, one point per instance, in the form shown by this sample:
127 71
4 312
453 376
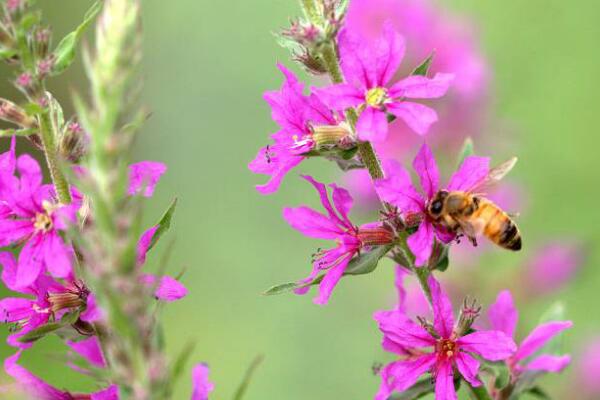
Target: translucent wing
494 176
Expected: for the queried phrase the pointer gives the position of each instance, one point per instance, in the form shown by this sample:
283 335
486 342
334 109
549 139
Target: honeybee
473 215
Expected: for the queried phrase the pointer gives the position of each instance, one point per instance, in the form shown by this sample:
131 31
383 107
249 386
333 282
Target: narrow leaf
467 150
38 333
556 312
16 132
65 50
241 390
164 224
281 288
423 68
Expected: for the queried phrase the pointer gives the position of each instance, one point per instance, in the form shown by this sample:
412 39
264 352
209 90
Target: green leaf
288 43
64 52
423 68
443 263
539 393
502 375
416 391
466 151
241 390
164 224
556 312
16 132
7 53
362 264
38 333
33 109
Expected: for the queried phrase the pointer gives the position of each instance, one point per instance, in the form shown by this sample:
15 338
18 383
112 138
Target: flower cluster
369 95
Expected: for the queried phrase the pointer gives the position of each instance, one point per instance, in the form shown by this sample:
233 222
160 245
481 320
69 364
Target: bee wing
494 176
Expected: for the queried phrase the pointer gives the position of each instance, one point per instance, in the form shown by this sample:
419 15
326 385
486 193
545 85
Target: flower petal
491 345
276 161
30 383
426 167
417 116
421 243
322 190
421 87
57 256
144 243
549 363
398 328
401 375
503 315
389 52
397 189
372 125
443 318
144 176
90 350
468 368
471 173
14 309
170 289
356 60
311 223
200 383
330 281
444 382
340 96
541 335
30 261
110 393
342 200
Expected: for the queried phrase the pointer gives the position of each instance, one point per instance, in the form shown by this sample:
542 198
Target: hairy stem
47 135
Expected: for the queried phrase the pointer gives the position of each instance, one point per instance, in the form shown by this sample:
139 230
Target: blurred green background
206 64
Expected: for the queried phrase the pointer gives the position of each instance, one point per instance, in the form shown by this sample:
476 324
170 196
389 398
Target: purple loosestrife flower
35 387
335 225
144 176
398 190
166 288
438 349
295 114
32 216
368 68
201 386
503 316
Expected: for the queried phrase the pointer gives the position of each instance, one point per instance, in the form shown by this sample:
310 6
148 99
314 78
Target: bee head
436 205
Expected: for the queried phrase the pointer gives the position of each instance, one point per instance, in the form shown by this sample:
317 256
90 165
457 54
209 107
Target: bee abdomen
501 229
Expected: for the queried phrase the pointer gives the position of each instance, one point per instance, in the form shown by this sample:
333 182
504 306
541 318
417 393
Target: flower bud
313 64
375 236
42 39
10 112
73 143
469 312
74 296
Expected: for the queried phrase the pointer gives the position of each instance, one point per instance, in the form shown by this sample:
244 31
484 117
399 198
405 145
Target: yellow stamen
376 97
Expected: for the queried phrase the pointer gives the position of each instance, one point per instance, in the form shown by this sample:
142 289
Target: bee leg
473 241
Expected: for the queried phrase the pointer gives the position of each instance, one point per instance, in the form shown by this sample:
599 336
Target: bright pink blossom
201 386
335 225
294 113
397 189
144 176
31 215
368 69
504 316
446 350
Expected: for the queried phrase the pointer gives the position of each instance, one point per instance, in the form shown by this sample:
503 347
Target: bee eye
436 207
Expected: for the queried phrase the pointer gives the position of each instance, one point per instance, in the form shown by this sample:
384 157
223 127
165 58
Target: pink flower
335 225
397 189
200 383
32 216
144 176
554 265
503 316
294 113
166 288
450 349
33 386
89 349
588 368
368 69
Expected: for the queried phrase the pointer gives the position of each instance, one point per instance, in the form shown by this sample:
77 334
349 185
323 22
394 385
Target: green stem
479 393
422 274
47 135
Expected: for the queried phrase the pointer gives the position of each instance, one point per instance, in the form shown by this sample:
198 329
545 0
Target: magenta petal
389 52
421 243
443 318
30 261
90 350
30 383
200 383
57 256
311 223
397 188
13 230
356 60
541 335
9 270
277 164
417 116
14 309
503 315
401 375
491 345
170 289
468 368
110 393
372 125
421 87
322 190
426 167
331 279
400 273
444 382
8 160
31 173
549 363
471 173
340 96
342 200
143 177
401 330
144 244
